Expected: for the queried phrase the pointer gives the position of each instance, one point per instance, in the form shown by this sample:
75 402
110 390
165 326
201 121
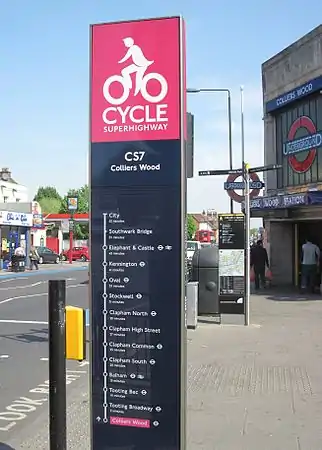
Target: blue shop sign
296 94
279 201
15 219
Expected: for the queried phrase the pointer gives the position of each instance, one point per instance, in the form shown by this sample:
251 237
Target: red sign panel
302 166
135 80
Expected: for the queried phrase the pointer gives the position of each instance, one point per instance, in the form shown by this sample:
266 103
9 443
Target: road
24 347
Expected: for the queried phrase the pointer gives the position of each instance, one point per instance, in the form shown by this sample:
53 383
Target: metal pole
71 237
247 245
242 124
57 364
230 140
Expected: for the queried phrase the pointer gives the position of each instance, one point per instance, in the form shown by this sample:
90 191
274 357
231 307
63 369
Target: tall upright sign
231 263
138 185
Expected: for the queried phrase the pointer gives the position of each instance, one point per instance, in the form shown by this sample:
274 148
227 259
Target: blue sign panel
239 185
303 144
279 201
137 280
296 94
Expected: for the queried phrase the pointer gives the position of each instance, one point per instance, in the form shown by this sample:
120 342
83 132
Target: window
5 199
192 246
17 200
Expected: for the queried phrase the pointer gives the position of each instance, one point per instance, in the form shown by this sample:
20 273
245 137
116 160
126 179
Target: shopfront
14 231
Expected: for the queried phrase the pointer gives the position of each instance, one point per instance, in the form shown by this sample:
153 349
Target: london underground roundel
296 145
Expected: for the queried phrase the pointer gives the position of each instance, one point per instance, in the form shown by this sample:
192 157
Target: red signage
240 198
302 165
135 81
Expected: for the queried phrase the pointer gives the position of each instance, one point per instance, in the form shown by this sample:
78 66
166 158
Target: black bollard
57 364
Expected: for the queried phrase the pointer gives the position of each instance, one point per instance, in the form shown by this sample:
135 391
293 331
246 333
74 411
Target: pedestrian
259 262
310 265
34 258
20 251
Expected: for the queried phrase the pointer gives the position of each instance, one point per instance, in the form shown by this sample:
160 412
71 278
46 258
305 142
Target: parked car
81 253
46 255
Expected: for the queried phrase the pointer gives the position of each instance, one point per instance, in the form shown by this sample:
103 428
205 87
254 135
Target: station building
292 203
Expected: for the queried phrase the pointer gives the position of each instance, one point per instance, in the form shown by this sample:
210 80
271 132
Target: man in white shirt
310 264
19 251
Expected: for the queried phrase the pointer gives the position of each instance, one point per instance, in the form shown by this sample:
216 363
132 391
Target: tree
253 231
50 205
49 199
191 227
81 231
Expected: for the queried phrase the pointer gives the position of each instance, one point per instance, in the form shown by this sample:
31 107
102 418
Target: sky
44 82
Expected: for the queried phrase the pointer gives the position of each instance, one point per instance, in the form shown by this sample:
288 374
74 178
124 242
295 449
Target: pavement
249 388
24 344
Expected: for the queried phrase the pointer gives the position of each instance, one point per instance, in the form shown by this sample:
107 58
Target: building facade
292 204
10 190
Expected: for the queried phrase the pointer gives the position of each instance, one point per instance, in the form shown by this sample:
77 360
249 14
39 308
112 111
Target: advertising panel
138 183
231 263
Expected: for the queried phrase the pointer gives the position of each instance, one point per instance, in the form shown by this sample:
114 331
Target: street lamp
230 142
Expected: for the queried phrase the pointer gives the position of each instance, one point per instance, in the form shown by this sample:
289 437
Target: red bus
205 236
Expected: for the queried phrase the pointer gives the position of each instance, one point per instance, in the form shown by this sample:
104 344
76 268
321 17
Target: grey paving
250 388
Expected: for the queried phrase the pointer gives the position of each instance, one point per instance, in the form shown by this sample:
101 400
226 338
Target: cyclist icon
139 66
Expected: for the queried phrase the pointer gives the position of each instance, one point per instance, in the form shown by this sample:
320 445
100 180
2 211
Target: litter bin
18 263
205 264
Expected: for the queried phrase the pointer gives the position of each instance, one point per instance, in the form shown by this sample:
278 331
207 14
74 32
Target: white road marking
22 287
4 356
21 407
44 359
7 300
30 322
8 280
10 299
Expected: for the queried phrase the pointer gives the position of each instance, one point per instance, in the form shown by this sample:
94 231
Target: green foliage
81 231
191 227
51 202
254 231
47 192
50 205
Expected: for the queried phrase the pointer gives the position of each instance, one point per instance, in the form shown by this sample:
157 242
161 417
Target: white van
192 246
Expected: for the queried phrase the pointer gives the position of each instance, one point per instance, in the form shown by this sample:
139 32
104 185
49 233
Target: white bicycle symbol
143 88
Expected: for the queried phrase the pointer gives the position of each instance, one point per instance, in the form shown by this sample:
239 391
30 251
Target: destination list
132 336
137 295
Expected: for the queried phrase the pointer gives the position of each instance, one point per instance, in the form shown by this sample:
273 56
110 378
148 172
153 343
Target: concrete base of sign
192 305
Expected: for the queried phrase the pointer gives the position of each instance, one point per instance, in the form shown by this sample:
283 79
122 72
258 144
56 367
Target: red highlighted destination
130 422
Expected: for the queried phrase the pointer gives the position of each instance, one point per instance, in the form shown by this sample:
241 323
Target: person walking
259 262
34 258
310 265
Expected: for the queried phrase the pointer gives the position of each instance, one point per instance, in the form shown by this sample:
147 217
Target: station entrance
311 230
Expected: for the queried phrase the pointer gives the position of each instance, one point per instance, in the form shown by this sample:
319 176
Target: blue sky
44 50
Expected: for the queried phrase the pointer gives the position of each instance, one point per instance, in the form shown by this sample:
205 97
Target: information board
138 189
231 263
